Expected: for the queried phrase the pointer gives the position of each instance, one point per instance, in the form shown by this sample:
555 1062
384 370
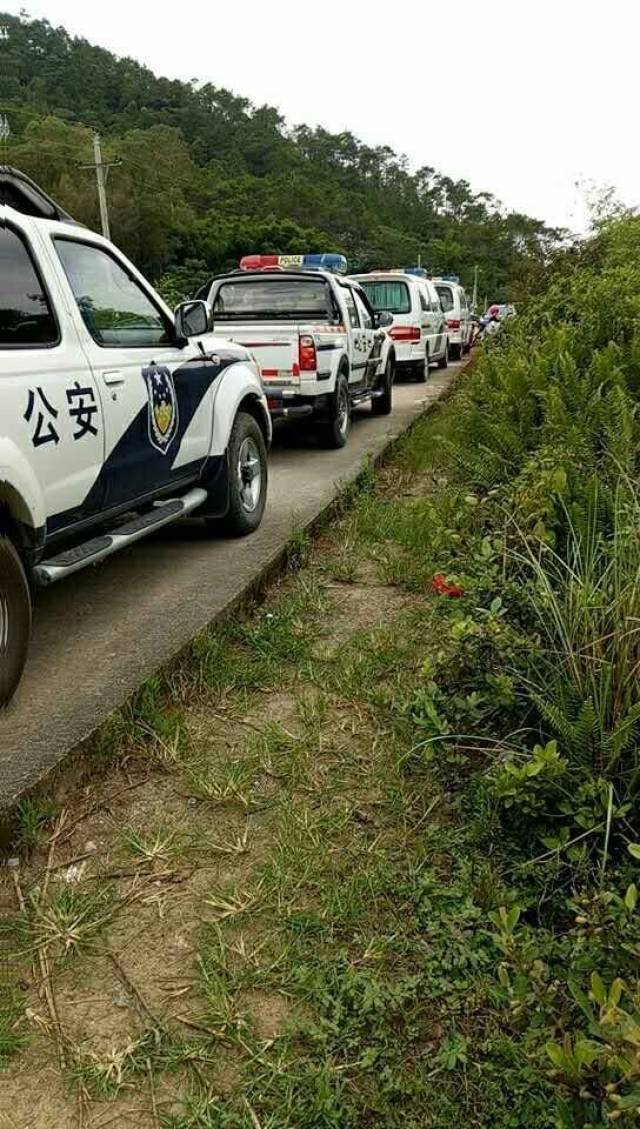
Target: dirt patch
360 607
268 1013
401 484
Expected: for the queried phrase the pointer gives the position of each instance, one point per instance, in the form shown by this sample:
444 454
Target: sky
534 101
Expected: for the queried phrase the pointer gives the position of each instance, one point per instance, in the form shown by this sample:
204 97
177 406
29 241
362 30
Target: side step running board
370 394
72 560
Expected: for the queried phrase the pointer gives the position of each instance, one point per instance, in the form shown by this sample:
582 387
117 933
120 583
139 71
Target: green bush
530 702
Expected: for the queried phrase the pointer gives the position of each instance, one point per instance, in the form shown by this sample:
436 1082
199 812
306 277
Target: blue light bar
330 261
450 277
419 271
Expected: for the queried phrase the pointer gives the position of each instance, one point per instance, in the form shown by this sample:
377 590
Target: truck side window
351 307
26 318
365 316
115 309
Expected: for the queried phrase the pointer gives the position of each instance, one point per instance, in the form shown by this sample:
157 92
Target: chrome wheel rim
343 411
249 475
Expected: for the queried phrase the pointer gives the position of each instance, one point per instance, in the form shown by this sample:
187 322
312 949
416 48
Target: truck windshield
261 299
393 296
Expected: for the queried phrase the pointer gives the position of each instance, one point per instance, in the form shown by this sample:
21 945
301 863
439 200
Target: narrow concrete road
100 634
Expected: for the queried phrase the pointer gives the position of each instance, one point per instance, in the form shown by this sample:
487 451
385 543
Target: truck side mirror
192 319
384 319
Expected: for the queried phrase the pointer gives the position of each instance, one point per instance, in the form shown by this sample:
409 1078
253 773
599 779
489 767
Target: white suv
419 330
457 312
116 417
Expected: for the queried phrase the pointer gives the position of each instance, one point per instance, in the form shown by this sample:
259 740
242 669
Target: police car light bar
450 277
329 261
418 272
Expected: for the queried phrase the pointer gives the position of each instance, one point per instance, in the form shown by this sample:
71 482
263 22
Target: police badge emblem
163 406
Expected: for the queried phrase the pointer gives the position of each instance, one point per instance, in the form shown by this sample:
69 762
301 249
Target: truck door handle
113 377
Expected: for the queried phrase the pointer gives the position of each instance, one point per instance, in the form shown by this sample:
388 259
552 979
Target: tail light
307 356
454 323
405 333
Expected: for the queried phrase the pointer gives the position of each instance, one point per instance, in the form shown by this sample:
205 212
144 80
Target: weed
231 782
158 847
71 921
33 818
13 1036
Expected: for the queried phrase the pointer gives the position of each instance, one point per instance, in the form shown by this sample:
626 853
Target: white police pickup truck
321 347
116 417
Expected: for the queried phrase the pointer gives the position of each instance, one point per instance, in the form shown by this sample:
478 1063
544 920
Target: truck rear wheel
15 619
248 476
444 359
338 426
382 405
422 369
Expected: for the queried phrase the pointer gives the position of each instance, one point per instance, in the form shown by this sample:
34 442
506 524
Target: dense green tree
203 176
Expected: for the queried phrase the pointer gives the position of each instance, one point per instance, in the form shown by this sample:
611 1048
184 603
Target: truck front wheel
247 461
15 619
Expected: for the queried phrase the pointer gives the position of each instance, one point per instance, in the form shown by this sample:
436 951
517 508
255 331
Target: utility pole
5 133
5 129
102 186
102 170
474 299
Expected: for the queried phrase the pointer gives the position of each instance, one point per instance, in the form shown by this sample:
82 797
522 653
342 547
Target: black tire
455 352
15 619
382 405
444 359
248 477
338 426
422 369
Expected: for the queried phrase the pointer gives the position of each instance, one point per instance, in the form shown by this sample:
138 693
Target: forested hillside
206 176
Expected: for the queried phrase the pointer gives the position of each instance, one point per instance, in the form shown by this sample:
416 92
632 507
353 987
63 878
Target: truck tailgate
275 348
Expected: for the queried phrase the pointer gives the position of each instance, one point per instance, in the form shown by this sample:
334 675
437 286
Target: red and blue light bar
329 261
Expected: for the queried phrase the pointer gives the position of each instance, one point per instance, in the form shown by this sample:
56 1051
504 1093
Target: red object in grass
440 585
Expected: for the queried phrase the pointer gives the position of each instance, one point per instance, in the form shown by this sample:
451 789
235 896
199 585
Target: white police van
457 312
321 347
419 331
116 417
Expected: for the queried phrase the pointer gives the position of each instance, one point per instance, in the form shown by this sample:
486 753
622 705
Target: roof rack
20 192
